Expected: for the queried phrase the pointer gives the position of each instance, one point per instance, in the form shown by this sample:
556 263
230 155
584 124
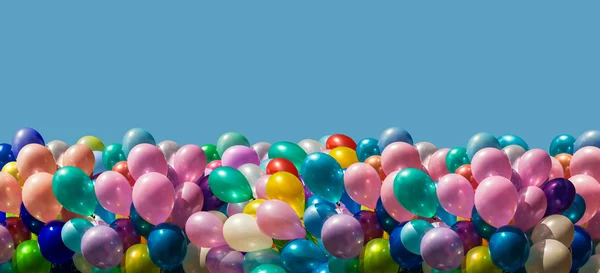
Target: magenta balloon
389 201
436 165
490 162
398 156
7 245
238 155
455 194
261 187
589 189
363 184
531 207
235 208
557 170
442 249
146 158
586 161
278 220
153 197
342 236
113 192
204 229
189 162
496 200
534 167
224 259
101 246
188 200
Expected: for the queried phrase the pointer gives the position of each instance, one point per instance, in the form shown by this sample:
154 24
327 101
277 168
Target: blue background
288 70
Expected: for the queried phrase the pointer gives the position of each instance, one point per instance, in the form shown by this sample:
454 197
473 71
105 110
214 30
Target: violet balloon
442 249
102 247
560 194
531 208
342 236
496 200
146 158
534 167
468 234
278 220
127 233
236 156
211 202
189 162
456 195
224 259
371 227
489 162
173 177
189 199
7 245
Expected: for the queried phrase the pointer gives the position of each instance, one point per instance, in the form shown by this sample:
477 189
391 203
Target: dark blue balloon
167 245
352 206
589 138
223 209
24 137
562 144
385 220
2 219
6 154
51 244
581 248
302 255
316 215
31 223
400 254
509 248
178 269
366 148
576 210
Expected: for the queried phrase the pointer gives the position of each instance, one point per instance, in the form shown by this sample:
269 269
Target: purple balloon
224 259
560 193
211 202
126 232
101 246
238 155
442 249
23 137
173 177
342 236
468 235
515 178
307 192
370 225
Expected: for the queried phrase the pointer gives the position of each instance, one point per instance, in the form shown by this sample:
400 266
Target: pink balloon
389 201
214 164
496 200
589 189
10 194
436 167
557 170
238 155
490 162
189 162
153 197
586 161
279 221
146 158
261 187
204 229
531 207
39 199
593 227
398 156
456 195
113 192
235 208
534 167
363 184
188 200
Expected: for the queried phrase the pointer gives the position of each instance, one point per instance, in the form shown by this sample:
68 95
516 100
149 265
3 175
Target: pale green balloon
231 139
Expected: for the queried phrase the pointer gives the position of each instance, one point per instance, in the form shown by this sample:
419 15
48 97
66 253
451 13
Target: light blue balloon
106 216
392 135
254 259
323 176
134 137
445 216
264 163
302 255
366 148
480 141
324 268
323 140
562 144
350 204
412 233
315 199
316 215
99 165
511 139
73 231
589 138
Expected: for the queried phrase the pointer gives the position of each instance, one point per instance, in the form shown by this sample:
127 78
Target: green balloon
337 265
116 269
376 257
268 268
112 155
229 185
29 259
415 191
231 139
455 158
74 190
288 150
211 152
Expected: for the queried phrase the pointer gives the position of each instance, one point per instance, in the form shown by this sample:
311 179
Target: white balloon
513 152
241 233
311 146
191 263
169 148
252 173
592 266
219 215
57 148
425 149
262 149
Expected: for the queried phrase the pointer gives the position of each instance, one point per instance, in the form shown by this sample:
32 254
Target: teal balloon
445 216
231 139
576 210
323 140
74 190
268 268
257 258
116 269
73 231
112 154
480 141
481 226
324 268
105 215
510 139
302 255
323 176
562 144
139 224
229 185
412 233
288 150
455 158
366 148
416 192
135 137
7 267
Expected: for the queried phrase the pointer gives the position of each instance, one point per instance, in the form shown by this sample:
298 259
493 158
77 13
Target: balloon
19 232
560 194
392 135
557 170
581 248
191 262
442 248
347 205
577 209
425 149
91 142
268 268
398 156
366 148
509 248
153 197
279 221
257 258
7 245
230 139
387 222
74 190
549 256
316 215
343 265
323 175
137 260
343 236
389 202
211 202
489 162
10 194
211 152
562 144
310 146
586 161
287 188
445 218
224 259
436 164
28 258
135 137
98 165
104 215
6 154
123 169
513 153
35 158
302 255
398 251
113 192
416 192
496 200
229 185
456 195
455 158
39 199
11 168
127 233
236 156
531 207
534 167
589 189
468 235
589 138
188 200
146 158
51 244
72 232
483 229
510 139
344 155
466 172
189 162
370 225
555 227
167 246
363 184
169 148
112 154
375 162
252 207
565 162
478 260
24 137
281 165
340 140
412 233
101 246
375 257
481 141
81 264
252 173
262 149
241 232
289 151
80 156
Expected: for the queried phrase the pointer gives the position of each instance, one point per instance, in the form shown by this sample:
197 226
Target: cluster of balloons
335 205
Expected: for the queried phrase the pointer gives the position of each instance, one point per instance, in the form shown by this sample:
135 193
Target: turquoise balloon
323 176
416 192
324 268
112 155
323 140
257 258
562 144
229 185
337 265
74 190
73 231
7 267
230 139
134 137
268 268
480 141
576 210
110 270
302 255
412 233
288 150
366 148
510 139
264 163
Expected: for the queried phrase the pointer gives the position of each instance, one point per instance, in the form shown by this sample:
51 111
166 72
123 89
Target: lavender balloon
238 155
343 236
468 234
211 202
224 259
442 249
560 193
102 247
173 177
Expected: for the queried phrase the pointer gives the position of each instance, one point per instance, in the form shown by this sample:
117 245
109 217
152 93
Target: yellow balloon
33 236
478 260
386 235
344 155
376 257
11 168
366 208
251 207
287 187
137 260
93 142
458 218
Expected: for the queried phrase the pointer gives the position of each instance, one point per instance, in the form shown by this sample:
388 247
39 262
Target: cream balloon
513 152
592 265
57 148
191 262
241 233
555 227
425 149
310 146
219 215
262 149
549 256
252 173
169 148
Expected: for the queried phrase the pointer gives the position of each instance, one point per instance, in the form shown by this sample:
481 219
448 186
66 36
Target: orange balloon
465 171
35 158
375 162
38 197
80 156
10 194
123 169
565 162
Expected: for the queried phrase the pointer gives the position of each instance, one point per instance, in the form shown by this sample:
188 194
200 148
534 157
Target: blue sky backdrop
288 70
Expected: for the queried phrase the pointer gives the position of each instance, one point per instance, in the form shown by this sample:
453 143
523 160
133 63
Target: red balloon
465 171
123 169
339 140
214 164
18 230
281 165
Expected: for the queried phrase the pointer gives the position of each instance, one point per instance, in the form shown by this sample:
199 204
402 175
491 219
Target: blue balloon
392 135
352 206
6 154
51 244
31 223
581 248
302 255
99 165
256 258
106 216
400 254
511 139
315 199
445 216
589 138
223 209
576 210
480 141
167 245
323 176
385 220
264 163
316 215
73 231
562 144
323 140
324 268
134 137
2 219
366 148
24 137
509 248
